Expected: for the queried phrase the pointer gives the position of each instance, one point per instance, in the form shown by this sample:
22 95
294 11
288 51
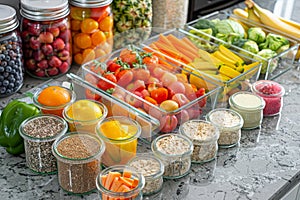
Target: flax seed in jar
11 59
204 136
92 26
46 38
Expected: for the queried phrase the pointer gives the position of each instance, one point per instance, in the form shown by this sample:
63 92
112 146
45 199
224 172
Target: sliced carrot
110 179
126 174
176 41
135 182
123 188
116 184
165 40
190 43
103 179
126 181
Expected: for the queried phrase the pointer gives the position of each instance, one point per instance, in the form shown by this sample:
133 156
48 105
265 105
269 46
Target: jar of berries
92 26
11 61
46 37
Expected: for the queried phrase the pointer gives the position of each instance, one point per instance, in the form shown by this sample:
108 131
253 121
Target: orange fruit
88 55
99 52
75 25
78 58
106 24
54 96
83 40
98 37
89 25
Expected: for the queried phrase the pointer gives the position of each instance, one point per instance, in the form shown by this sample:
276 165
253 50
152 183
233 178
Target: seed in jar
199 130
172 145
224 118
147 167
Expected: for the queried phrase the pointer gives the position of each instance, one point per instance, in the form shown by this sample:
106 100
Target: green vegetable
256 34
12 116
264 45
267 54
248 45
206 24
276 41
283 48
202 33
228 26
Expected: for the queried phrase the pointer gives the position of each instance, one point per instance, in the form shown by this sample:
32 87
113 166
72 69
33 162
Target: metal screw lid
90 3
8 19
44 10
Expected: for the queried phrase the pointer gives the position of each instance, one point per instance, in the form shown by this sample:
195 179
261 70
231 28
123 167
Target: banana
226 60
240 12
252 15
228 71
232 55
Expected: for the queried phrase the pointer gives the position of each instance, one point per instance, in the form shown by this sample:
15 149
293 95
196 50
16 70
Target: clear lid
90 3
247 101
267 88
44 10
8 19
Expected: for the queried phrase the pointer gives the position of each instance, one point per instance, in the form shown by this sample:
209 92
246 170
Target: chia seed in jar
39 133
204 136
152 169
229 124
175 152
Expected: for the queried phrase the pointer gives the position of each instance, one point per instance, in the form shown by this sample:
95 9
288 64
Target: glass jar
46 38
175 152
11 59
83 115
39 133
170 14
120 135
120 171
152 169
92 26
78 161
250 106
272 93
204 136
229 123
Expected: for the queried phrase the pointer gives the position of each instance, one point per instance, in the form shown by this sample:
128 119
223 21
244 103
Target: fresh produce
256 34
14 113
267 54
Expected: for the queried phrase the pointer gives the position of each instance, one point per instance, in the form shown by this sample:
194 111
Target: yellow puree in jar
247 101
84 110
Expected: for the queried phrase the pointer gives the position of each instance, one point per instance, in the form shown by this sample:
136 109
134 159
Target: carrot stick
103 179
116 184
165 40
190 43
110 179
126 181
178 43
126 174
123 188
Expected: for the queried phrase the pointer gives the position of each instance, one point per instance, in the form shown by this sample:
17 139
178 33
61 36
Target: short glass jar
229 123
39 133
92 29
272 93
204 136
83 115
120 171
175 152
120 135
250 106
11 56
46 38
78 161
152 169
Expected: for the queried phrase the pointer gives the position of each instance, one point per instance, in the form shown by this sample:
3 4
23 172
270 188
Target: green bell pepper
11 118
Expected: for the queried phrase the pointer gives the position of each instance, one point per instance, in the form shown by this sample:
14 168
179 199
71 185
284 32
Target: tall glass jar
92 25
46 38
11 61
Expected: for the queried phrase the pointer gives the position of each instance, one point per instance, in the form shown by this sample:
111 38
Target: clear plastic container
175 152
39 133
92 26
250 106
152 169
55 110
46 37
83 115
78 161
120 135
272 93
11 56
229 123
204 136
133 194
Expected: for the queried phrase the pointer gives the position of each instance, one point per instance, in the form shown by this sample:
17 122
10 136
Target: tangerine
89 25
83 40
106 24
54 96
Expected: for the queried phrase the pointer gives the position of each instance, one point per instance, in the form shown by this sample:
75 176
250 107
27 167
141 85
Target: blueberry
1 69
8 68
3 63
8 91
7 58
11 78
5 52
0 83
2 90
9 46
5 42
5 74
11 63
5 83
11 85
2 56
13 71
1 78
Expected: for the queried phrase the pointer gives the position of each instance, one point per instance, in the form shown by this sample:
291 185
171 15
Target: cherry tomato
105 85
150 59
128 56
141 74
89 94
112 66
160 94
124 76
200 93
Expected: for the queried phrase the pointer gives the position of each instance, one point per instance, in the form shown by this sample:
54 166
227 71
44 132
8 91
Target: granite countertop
265 165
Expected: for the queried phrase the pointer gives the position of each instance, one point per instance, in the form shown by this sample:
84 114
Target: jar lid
247 101
225 118
267 88
44 10
8 19
90 3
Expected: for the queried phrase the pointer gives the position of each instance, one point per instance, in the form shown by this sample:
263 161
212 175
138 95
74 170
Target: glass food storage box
274 49
148 88
197 56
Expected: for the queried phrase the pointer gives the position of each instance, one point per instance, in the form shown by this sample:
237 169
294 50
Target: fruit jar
272 93
11 61
46 37
91 25
120 136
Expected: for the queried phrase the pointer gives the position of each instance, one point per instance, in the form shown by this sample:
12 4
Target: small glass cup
204 136
272 93
54 110
91 120
152 169
135 193
175 152
78 161
39 133
229 123
120 135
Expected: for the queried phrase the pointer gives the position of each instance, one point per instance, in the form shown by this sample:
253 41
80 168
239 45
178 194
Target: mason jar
92 26
46 37
11 61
